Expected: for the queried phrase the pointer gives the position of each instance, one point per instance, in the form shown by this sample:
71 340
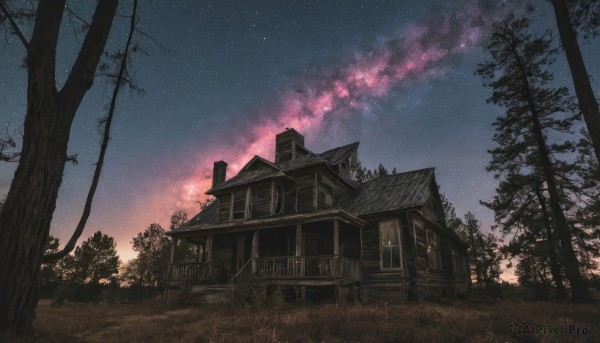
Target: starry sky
398 76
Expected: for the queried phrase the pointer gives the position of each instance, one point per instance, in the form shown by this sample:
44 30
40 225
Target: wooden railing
325 267
189 273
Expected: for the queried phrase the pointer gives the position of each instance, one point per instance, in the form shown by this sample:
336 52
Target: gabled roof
385 193
339 154
331 157
256 160
391 192
246 175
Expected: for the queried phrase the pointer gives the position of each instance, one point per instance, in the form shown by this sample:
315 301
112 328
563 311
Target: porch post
173 246
254 250
336 247
336 237
198 253
209 241
300 266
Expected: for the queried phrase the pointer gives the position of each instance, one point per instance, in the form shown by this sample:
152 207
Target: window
433 250
390 248
261 201
304 198
325 194
239 205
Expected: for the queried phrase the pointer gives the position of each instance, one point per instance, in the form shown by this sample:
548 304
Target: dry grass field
461 321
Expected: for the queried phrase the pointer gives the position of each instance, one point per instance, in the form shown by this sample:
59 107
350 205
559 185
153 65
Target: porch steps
213 293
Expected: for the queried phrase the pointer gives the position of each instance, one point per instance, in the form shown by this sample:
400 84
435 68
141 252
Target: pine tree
524 159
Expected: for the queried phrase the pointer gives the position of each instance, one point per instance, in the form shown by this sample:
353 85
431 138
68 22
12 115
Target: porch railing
316 267
189 273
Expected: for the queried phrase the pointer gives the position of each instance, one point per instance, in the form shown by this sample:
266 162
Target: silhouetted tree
94 260
586 14
153 248
26 215
520 83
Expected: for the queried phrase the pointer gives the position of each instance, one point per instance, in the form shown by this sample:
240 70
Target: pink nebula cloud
344 90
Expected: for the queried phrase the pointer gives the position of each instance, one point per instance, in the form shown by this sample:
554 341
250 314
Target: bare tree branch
14 26
106 137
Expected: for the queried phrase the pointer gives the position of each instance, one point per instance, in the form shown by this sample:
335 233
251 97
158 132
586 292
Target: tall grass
410 322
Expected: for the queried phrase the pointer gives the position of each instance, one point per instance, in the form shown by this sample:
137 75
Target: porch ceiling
269 222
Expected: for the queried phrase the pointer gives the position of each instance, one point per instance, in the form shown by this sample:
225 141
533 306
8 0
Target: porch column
173 246
198 255
300 262
336 237
209 241
254 250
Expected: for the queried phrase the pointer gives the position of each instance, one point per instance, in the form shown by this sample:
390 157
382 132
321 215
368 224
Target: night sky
398 76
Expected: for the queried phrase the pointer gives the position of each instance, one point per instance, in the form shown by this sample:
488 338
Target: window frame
400 248
436 245
233 199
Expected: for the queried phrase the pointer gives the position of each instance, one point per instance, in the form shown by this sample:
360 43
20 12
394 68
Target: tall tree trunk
581 81
573 273
554 266
27 212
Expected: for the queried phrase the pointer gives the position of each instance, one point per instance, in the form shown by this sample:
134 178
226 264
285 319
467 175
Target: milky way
420 52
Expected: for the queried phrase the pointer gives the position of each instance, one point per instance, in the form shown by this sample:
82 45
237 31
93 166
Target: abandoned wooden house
302 222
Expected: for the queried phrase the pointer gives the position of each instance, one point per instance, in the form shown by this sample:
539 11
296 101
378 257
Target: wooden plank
298 239
173 246
248 203
209 241
254 255
273 200
336 237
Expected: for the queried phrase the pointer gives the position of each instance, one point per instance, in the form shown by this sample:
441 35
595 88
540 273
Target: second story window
239 205
325 194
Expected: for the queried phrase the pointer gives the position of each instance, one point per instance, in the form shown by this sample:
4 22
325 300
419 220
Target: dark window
239 205
304 198
325 194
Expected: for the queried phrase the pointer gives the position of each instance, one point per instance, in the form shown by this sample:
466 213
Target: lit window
391 250
433 250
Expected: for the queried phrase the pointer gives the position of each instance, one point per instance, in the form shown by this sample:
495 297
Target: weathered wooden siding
431 282
305 191
383 285
224 208
433 210
261 200
325 179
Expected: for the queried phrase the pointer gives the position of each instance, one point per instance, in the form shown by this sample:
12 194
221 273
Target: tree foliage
532 177
94 260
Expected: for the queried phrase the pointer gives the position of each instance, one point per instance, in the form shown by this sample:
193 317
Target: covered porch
308 251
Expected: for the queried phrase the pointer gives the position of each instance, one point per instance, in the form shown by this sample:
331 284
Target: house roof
385 193
210 214
391 192
246 176
331 157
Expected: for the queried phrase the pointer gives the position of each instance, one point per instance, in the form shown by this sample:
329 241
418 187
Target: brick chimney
285 145
219 173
